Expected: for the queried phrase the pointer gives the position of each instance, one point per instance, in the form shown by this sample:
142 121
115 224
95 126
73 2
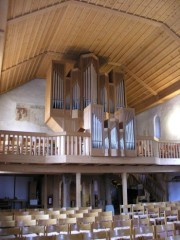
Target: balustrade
39 144
44 145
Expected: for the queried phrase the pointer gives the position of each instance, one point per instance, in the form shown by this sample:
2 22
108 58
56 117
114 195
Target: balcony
75 149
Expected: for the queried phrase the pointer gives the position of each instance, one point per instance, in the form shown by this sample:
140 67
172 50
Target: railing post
62 145
155 148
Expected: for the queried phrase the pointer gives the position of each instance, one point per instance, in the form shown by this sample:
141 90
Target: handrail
65 143
42 144
149 147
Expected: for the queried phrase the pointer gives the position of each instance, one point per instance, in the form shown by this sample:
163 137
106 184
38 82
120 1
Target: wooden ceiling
137 37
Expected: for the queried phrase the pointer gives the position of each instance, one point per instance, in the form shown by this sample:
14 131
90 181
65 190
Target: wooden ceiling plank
152 49
93 16
155 66
147 39
20 48
167 78
82 43
104 41
140 81
37 12
158 73
3 24
121 26
133 43
54 40
98 34
36 45
50 29
173 89
72 30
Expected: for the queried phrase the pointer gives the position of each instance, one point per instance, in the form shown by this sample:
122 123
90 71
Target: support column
66 191
124 187
78 190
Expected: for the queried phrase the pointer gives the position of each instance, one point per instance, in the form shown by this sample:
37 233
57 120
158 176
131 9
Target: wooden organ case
92 101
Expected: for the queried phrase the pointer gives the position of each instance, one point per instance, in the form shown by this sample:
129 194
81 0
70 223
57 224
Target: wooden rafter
170 91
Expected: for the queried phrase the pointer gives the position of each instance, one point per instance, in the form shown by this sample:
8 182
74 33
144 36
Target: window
157 127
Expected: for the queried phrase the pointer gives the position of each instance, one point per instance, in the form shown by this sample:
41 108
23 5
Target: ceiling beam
163 95
140 81
3 23
131 16
56 169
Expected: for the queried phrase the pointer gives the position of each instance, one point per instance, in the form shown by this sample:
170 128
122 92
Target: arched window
157 127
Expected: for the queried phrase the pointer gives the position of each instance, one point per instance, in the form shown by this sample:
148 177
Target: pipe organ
96 102
90 71
58 86
103 91
94 117
76 89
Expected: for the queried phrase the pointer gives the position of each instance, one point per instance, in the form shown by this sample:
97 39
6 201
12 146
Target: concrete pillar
78 190
66 191
124 187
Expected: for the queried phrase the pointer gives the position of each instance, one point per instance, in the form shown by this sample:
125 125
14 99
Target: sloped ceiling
137 37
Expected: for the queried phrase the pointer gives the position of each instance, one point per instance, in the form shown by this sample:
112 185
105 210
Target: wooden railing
150 147
39 144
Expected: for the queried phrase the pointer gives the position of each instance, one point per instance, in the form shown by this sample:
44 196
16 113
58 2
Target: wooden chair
122 224
22 217
97 210
77 236
6 224
144 222
137 209
47 222
127 208
85 227
57 229
100 235
82 211
86 219
10 232
42 238
41 217
21 223
59 216
68 211
120 234
75 215
171 216
103 218
31 231
6 217
145 232
164 230
91 214
67 221
121 217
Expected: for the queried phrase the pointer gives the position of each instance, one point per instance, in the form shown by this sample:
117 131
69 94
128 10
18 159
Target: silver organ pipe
129 130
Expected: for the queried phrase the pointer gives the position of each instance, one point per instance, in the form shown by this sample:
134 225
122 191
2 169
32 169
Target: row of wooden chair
145 232
143 207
